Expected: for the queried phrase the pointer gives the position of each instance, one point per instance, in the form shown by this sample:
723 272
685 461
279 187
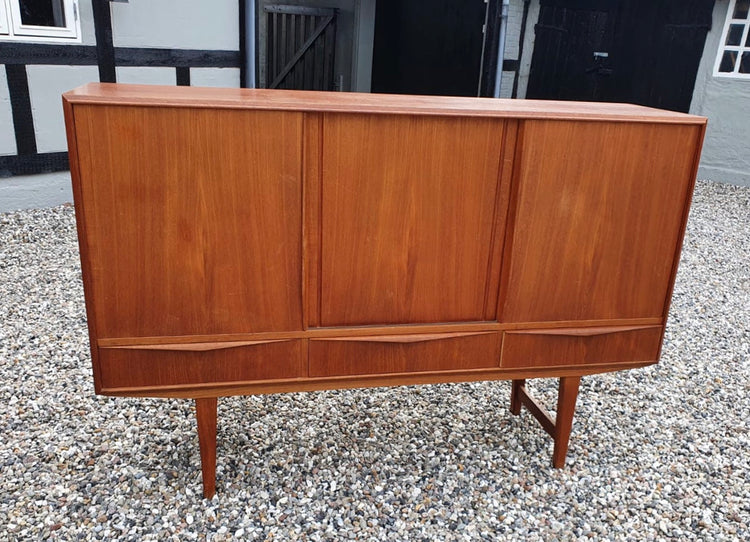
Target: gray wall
7 136
726 103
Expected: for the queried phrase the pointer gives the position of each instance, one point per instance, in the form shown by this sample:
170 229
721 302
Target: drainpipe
501 46
250 44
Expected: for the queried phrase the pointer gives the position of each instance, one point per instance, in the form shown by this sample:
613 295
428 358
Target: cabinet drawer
404 353
200 363
580 346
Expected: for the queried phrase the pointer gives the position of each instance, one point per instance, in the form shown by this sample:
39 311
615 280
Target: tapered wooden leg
205 411
515 396
566 406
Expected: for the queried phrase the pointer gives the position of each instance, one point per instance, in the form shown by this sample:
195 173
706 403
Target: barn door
635 51
300 45
571 59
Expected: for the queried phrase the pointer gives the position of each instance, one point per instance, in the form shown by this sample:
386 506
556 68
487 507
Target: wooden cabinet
251 241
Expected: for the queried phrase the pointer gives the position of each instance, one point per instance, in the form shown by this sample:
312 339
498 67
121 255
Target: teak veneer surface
407 239
347 102
179 246
254 241
612 209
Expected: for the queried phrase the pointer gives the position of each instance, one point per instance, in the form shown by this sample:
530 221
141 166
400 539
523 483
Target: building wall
512 42
7 139
176 24
524 66
726 103
192 25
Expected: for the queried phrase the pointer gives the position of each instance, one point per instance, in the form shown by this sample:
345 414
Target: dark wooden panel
33 164
403 353
428 48
20 103
549 348
143 367
408 211
653 51
595 233
186 233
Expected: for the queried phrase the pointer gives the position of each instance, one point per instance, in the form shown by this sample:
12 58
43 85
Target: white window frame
13 29
740 49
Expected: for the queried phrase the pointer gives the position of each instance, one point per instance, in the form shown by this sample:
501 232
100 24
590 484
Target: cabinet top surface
353 102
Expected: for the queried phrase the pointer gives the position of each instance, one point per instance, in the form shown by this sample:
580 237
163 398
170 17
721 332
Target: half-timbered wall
186 42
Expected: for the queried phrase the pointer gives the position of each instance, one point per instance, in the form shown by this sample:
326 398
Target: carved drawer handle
581 331
195 347
405 339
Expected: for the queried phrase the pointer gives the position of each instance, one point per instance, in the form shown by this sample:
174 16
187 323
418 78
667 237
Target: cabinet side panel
407 218
598 216
193 218
70 130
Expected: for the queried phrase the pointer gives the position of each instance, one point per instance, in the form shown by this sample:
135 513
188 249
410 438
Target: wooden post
558 429
205 411
515 397
566 406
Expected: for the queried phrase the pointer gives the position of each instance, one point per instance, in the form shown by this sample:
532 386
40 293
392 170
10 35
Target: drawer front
200 363
580 346
404 353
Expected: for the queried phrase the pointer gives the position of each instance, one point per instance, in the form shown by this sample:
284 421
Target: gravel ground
656 454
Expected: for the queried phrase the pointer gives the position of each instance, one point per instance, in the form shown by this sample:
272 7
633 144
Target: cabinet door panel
408 209
598 216
193 219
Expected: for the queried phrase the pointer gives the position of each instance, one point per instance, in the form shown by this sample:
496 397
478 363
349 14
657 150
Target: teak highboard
241 241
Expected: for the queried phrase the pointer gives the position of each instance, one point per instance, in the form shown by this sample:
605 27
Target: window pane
734 35
745 62
741 9
45 12
727 61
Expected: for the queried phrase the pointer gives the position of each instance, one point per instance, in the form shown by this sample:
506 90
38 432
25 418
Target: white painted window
733 58
40 20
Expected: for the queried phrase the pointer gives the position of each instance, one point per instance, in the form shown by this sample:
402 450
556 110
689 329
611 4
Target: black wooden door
428 47
635 51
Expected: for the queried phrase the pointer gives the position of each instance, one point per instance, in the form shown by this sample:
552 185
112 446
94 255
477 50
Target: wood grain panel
577 346
597 218
131 368
403 353
408 209
300 100
193 219
313 156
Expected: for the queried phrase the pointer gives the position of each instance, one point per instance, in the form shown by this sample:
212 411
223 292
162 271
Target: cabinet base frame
559 429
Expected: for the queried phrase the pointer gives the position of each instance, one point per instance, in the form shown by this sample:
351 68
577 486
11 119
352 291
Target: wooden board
408 216
192 219
347 102
580 346
598 219
403 353
214 363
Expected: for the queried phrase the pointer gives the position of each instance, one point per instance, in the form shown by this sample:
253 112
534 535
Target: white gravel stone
661 453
